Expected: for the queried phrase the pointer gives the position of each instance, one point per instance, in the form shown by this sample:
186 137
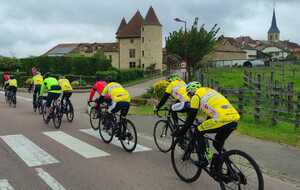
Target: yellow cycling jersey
12 83
116 92
178 91
65 85
37 80
214 105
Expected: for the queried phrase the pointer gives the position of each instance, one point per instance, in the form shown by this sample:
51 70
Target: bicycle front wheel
162 135
239 171
70 112
106 130
128 136
183 161
94 118
56 117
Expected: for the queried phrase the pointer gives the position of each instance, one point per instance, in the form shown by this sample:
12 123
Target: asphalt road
36 156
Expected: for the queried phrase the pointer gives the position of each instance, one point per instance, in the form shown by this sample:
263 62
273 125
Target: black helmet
46 75
12 77
109 79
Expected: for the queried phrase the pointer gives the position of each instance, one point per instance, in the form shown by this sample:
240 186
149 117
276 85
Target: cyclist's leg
222 134
35 94
177 107
124 106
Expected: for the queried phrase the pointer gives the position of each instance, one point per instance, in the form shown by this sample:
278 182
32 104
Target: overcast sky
31 27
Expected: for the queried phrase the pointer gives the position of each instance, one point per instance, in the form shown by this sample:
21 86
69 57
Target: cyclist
51 85
97 87
176 89
222 117
12 86
37 81
66 88
5 78
119 98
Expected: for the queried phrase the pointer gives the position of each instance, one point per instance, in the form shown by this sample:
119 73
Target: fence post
290 97
275 103
257 98
297 115
202 78
240 101
246 78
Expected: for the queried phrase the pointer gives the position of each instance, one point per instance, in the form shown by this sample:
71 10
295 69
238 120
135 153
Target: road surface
35 156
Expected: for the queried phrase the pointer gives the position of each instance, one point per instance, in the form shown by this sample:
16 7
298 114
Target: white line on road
139 148
20 97
49 180
29 152
78 146
4 185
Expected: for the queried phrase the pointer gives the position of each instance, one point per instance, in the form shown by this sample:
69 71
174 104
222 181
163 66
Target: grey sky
31 27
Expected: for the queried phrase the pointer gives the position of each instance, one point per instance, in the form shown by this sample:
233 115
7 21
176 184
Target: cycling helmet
12 77
193 86
173 77
48 74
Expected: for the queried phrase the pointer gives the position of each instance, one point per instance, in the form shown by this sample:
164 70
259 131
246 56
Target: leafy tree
192 45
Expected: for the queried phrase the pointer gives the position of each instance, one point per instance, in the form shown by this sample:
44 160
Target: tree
192 45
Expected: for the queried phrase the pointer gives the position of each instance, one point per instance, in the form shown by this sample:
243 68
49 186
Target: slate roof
274 28
62 49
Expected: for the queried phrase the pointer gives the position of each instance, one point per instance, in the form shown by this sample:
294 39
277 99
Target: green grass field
233 77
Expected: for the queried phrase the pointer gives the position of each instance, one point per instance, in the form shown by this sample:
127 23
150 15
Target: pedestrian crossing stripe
116 142
5 185
76 145
49 180
28 151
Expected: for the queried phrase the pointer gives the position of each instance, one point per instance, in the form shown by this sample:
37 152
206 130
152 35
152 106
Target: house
275 51
138 44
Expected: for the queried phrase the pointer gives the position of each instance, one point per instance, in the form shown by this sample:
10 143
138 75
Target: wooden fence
264 99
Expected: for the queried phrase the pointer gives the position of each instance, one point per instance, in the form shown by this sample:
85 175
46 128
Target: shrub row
66 65
121 75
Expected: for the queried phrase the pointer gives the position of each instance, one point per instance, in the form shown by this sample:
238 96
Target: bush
65 65
104 74
159 88
75 83
121 75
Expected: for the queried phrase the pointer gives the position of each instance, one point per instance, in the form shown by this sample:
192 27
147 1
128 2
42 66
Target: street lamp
185 44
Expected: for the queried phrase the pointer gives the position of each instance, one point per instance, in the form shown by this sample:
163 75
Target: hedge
121 75
66 65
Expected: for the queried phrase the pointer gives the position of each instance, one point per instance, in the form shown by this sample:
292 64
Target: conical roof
151 18
274 28
133 27
122 25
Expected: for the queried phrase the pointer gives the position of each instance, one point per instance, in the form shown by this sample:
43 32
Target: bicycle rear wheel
239 171
69 111
128 136
162 134
56 117
40 107
183 161
106 130
44 112
94 118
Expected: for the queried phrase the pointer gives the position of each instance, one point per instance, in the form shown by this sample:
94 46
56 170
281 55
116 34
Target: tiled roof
233 47
133 28
274 28
122 25
110 47
151 18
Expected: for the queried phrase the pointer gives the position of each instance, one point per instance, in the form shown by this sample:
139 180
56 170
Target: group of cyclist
221 119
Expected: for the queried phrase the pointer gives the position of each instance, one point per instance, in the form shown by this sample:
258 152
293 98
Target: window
132 53
143 39
143 53
131 64
110 57
131 41
143 65
143 29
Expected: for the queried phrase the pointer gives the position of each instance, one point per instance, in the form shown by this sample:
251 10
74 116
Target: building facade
139 44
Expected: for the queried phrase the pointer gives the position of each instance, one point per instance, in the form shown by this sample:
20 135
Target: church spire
273 33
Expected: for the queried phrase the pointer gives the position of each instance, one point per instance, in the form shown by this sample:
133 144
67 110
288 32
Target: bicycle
55 113
163 130
124 129
224 167
11 99
67 108
95 114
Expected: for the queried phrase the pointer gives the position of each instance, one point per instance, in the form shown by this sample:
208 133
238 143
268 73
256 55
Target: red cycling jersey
98 87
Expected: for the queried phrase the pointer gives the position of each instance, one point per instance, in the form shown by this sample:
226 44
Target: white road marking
116 142
4 185
78 146
20 97
49 180
29 152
